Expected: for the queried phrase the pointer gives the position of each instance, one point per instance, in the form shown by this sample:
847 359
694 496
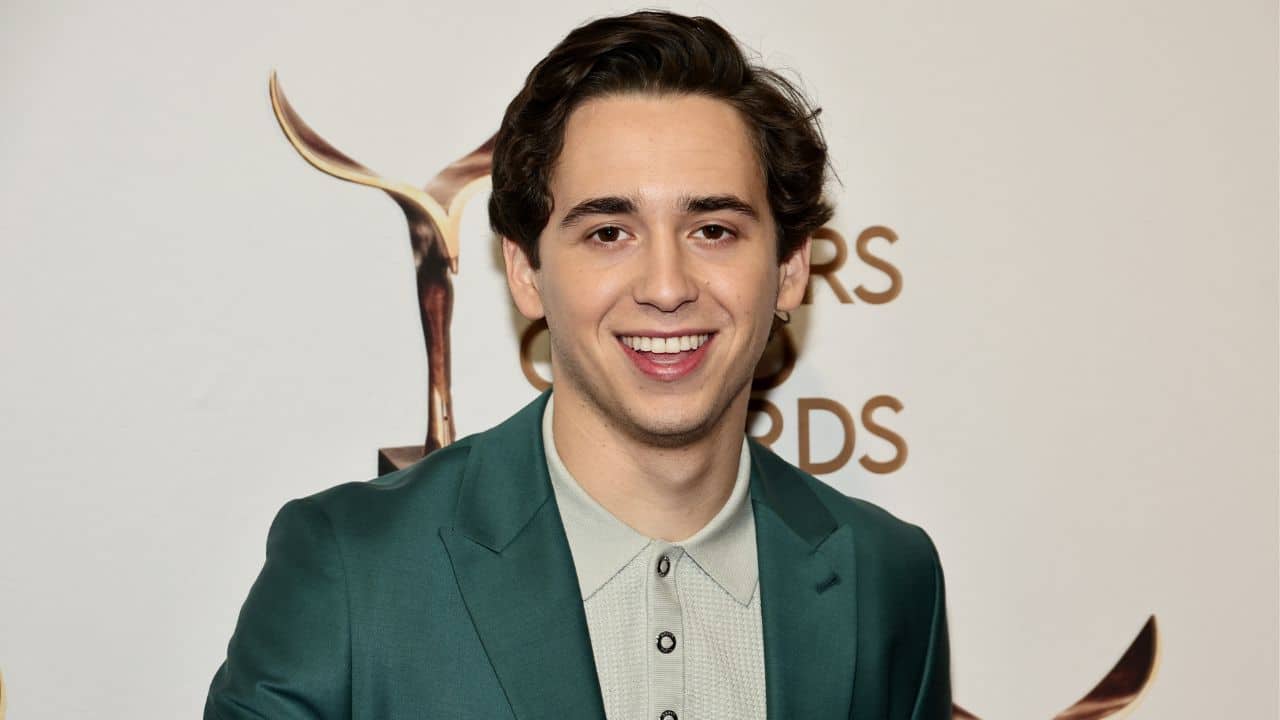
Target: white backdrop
198 326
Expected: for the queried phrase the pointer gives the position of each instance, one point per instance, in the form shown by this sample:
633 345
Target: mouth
667 357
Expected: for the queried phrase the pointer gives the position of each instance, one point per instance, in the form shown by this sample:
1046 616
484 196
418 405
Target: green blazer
447 590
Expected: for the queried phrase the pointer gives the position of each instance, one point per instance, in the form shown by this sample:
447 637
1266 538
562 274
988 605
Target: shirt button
664 566
666 642
668 715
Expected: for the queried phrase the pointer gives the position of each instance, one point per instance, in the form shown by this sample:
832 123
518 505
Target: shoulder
880 535
406 507
424 492
876 526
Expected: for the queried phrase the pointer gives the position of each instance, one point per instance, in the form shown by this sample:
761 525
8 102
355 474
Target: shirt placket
666 633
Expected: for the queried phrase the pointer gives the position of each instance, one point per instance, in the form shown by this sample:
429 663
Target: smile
664 344
666 357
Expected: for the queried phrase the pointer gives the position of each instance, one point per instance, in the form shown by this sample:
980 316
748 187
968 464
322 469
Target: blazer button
666 642
664 566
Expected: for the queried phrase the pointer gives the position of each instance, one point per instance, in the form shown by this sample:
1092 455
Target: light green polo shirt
675 627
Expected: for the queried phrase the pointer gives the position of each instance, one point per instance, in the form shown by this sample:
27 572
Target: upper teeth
664 345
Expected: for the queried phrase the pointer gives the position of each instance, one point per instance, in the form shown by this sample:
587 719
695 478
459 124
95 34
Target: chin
682 421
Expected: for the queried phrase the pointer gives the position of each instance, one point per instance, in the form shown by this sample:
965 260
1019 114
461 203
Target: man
618 548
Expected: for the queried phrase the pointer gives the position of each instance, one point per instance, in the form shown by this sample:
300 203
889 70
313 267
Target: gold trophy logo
434 214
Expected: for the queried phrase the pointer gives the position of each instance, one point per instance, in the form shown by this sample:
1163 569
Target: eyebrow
625 205
712 203
610 205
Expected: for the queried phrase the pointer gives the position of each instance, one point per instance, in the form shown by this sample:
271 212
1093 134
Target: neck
663 492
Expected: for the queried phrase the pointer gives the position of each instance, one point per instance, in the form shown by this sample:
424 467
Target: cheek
579 306
748 293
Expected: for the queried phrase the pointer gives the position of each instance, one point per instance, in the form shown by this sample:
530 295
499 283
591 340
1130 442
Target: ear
522 280
793 277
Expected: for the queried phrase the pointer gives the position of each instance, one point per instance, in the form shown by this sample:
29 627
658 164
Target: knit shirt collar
602 545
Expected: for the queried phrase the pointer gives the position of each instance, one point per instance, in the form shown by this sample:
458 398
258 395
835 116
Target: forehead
659 147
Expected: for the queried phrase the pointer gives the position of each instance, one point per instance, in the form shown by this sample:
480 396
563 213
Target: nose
666 280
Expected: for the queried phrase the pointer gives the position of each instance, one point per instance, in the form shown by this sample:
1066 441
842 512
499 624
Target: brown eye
608 234
715 232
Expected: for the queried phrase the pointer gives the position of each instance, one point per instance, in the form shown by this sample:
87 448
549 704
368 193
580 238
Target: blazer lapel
808 594
516 574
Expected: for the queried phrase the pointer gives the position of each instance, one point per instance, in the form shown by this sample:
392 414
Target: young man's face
659 275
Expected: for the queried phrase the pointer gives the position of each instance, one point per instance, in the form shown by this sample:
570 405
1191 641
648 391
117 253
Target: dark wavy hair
656 52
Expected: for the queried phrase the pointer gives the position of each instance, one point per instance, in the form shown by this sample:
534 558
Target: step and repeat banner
1043 323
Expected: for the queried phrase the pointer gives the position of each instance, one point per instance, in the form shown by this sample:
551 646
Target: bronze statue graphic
1118 693
434 213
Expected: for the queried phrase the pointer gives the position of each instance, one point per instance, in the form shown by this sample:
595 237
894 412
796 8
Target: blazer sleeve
933 697
290 654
